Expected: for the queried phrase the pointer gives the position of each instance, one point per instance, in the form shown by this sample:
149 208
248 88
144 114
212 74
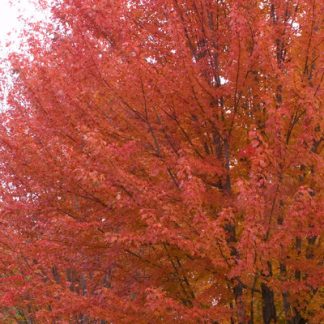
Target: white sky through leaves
14 15
11 23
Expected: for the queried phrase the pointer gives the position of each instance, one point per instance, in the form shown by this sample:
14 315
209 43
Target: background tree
161 161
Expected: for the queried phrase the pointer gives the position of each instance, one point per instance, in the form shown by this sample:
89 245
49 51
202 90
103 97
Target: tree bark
268 308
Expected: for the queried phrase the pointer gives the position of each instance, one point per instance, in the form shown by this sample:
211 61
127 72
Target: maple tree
162 161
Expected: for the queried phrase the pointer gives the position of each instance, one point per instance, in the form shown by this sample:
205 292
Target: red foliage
161 161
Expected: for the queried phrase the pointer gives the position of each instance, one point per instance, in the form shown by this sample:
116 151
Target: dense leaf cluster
162 162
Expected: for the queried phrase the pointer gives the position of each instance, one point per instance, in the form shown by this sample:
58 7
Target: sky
10 23
10 27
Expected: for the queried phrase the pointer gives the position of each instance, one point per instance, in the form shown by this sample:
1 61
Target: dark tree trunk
268 307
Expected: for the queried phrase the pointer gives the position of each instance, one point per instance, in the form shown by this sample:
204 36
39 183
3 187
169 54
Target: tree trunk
268 308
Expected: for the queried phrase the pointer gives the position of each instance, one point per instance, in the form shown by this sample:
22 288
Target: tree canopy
162 162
